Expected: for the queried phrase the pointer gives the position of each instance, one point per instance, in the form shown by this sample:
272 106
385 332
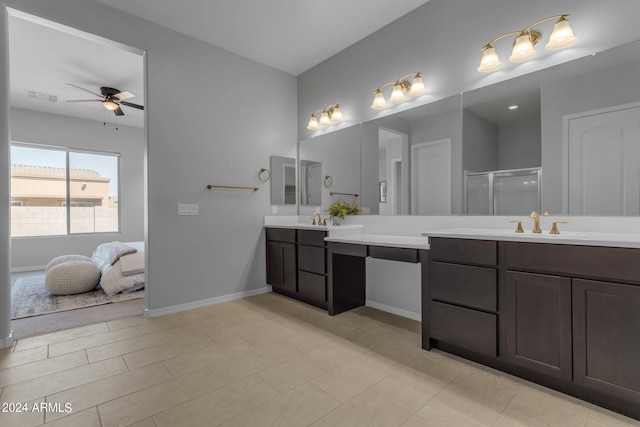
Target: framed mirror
283 180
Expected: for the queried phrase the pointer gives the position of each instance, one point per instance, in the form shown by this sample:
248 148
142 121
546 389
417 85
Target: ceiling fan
111 99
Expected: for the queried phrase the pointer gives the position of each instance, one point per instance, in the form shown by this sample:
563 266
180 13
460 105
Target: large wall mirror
572 146
329 168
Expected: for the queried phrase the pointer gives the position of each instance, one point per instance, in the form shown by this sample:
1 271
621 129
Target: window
58 191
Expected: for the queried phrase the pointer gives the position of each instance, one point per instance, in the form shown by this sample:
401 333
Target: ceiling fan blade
118 112
130 104
84 100
123 95
86 90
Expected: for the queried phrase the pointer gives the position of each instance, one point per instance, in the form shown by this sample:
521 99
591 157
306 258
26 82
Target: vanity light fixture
400 87
561 37
330 114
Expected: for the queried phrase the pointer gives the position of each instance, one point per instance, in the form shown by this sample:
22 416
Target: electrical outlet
187 209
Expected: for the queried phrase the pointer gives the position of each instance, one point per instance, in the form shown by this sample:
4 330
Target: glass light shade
313 123
324 119
489 61
417 86
110 105
397 95
523 49
379 102
336 116
562 35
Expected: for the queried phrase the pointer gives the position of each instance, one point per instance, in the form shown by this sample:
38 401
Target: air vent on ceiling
34 94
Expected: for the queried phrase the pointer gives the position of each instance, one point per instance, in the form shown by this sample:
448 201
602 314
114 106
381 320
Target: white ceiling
290 35
42 59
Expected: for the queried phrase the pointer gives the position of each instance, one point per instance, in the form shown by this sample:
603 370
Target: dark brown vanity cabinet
538 323
281 259
565 316
463 295
606 338
296 264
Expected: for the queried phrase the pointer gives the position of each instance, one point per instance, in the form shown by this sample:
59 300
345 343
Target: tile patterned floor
267 361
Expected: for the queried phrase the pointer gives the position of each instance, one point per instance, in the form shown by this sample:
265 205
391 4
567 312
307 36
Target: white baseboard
7 342
29 268
393 310
204 303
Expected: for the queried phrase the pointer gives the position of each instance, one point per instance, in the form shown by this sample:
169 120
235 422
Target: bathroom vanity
560 314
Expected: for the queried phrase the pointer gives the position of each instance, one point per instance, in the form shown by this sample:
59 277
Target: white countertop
625 240
316 227
409 242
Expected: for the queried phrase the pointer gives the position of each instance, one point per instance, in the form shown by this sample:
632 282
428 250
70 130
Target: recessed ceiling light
513 107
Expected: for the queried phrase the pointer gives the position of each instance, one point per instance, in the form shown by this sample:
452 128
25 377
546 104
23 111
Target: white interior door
431 178
604 163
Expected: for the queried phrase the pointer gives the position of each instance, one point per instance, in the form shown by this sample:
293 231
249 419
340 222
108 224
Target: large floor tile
153 400
215 408
90 341
108 389
366 410
435 414
600 417
118 348
9 358
549 407
207 356
41 368
23 417
298 407
164 351
86 418
64 380
61 336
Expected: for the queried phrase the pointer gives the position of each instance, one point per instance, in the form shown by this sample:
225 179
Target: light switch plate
187 209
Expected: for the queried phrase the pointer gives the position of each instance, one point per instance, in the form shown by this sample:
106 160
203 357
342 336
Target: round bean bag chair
72 277
65 258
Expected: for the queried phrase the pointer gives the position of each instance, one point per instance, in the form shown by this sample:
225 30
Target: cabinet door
606 334
538 319
281 265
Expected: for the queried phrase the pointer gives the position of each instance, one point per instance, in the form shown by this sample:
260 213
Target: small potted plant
339 209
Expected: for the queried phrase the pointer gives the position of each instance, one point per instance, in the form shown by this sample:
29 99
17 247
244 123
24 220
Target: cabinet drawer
311 237
281 235
394 254
312 286
312 259
481 252
465 285
577 261
468 329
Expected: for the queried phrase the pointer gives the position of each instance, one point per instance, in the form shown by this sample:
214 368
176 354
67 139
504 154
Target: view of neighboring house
39 201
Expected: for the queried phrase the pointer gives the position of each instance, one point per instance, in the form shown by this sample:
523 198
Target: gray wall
480 138
41 128
201 138
519 144
599 89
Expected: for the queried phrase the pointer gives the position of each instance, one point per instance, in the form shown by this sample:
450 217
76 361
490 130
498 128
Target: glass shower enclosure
504 192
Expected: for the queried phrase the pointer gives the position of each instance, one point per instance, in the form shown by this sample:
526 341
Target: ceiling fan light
562 35
313 123
110 105
397 94
417 86
522 49
324 119
379 103
490 61
336 115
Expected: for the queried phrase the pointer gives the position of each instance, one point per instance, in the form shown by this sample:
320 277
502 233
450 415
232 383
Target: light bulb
417 86
522 49
324 119
489 61
562 35
397 95
110 105
379 102
313 123
336 116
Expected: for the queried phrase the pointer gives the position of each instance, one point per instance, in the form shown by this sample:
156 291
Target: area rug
29 298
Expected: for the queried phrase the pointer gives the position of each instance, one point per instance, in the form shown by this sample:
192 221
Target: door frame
414 169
